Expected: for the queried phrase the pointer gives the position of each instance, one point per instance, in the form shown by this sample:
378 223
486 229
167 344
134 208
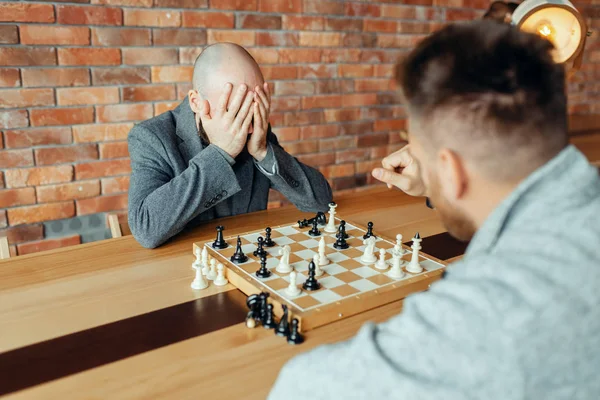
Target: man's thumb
391 178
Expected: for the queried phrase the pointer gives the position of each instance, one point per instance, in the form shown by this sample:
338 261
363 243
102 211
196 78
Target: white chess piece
396 270
414 267
323 260
197 263
331 222
398 246
293 289
369 257
205 263
318 270
284 262
220 280
212 274
381 264
199 282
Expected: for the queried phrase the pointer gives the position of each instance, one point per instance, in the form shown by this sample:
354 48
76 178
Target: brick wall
75 75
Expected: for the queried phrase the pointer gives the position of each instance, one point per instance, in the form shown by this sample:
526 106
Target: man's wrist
260 155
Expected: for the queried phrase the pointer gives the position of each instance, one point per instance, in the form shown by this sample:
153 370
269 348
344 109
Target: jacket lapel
244 172
185 123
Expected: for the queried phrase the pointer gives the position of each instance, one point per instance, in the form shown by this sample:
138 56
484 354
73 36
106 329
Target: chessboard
348 285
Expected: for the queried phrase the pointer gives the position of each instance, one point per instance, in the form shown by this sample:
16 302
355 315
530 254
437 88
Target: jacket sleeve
161 204
304 186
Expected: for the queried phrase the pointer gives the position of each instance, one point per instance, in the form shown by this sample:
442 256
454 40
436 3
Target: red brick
359 100
294 88
100 133
40 213
26 12
320 39
22 233
77 96
148 93
16 197
160 18
318 159
279 39
374 25
114 150
461 15
355 70
344 24
285 104
288 134
386 70
264 56
356 127
35 137
9 34
398 11
319 131
367 166
52 77
13 119
390 125
340 55
131 3
350 155
373 85
337 171
179 37
302 23
414 27
66 154
181 3
14 98
395 41
102 204
294 56
123 112
9 77
160 108
307 117
373 140
16 158
27 56
279 72
280 6
77 15
149 56
317 71
334 86
102 169
245 5
183 89
327 101
337 143
205 19
62 116
68 191
119 76
88 56
48 244
170 74
44 34
188 55
303 147
323 7
115 185
3 219
379 56
359 40
342 115
254 21
243 38
120 37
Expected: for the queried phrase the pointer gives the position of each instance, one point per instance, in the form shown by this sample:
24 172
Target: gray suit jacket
178 180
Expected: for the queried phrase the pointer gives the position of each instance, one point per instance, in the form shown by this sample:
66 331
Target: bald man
214 155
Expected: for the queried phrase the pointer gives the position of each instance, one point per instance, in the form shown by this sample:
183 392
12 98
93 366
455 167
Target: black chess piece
260 251
239 257
269 321
315 230
321 218
340 243
302 223
342 229
283 328
294 336
262 306
311 283
369 231
253 302
268 241
263 272
220 243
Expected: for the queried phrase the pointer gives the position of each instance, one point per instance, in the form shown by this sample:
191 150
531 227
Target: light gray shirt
517 318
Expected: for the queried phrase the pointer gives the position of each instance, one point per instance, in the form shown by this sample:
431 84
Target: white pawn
293 289
212 274
396 270
381 264
220 280
323 260
414 267
398 247
199 282
318 270
331 222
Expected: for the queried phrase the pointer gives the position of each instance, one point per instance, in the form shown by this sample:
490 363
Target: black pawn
239 257
260 251
342 229
311 283
369 231
303 223
268 241
341 243
315 230
295 337
263 272
220 243
283 328
269 322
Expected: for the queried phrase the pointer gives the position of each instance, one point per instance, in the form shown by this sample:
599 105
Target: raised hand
257 144
400 169
228 128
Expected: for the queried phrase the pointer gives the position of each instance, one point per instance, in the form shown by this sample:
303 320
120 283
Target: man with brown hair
518 317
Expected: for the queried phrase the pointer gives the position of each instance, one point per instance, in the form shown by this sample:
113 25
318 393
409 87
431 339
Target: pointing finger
392 178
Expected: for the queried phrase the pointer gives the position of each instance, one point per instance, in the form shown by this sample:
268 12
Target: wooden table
111 319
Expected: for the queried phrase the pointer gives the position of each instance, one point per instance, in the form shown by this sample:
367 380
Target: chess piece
303 223
263 272
262 306
396 270
321 218
283 328
311 283
199 282
315 230
260 251
294 337
318 270
342 229
323 260
398 246
198 261
330 228
381 264
254 302
369 257
414 267
284 262
369 231
220 243
205 263
268 241
293 290
340 243
212 274
220 280
239 257
269 321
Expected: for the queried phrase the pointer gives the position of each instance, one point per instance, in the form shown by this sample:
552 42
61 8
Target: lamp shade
556 20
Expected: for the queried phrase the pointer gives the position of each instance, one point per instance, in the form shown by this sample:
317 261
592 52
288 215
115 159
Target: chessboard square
275 234
243 240
253 237
353 253
330 282
354 242
345 290
300 266
272 262
300 278
337 257
298 237
305 254
348 276
307 301
278 283
365 272
329 239
283 240
273 251
296 247
295 259
228 252
380 279
309 243
283 293
325 296
333 269
246 248
364 285
350 264
287 231
384 244
431 265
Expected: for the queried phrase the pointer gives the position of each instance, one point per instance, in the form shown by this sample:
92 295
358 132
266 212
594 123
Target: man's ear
197 103
453 177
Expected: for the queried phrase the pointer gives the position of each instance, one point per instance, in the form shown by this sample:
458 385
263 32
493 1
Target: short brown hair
491 92
498 10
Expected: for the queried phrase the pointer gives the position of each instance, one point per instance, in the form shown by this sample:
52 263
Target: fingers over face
258 125
262 97
224 99
238 100
244 109
247 121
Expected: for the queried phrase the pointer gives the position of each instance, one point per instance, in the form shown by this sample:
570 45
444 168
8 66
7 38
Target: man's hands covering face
257 145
